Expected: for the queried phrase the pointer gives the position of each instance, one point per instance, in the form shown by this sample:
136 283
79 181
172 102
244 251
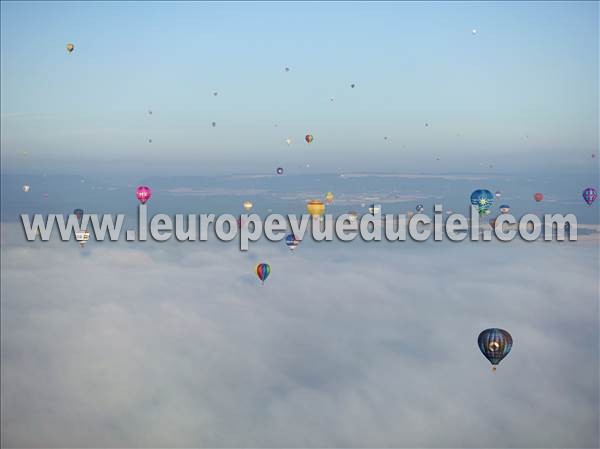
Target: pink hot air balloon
538 197
143 194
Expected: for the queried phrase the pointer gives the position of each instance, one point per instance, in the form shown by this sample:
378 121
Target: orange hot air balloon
309 138
538 197
315 207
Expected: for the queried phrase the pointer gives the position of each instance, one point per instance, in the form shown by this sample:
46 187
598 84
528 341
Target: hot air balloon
419 208
71 47
426 125
352 86
26 188
149 112
374 209
82 237
288 141
215 93
78 213
498 194
589 195
149 140
214 124
143 194
308 138
287 69
262 270
495 344
483 200
247 205
280 171
291 242
353 215
315 207
538 197
329 197
504 209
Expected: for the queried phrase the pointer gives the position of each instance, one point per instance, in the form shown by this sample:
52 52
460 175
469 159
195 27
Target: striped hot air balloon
263 270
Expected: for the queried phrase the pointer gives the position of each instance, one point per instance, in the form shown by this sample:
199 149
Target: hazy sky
523 87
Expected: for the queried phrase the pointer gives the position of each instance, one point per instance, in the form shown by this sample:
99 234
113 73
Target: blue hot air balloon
495 344
483 200
291 242
589 195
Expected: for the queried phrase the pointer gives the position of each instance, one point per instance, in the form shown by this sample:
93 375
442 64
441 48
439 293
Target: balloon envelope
482 199
280 171
538 197
419 207
247 205
143 194
71 47
26 188
309 138
315 208
291 241
505 209
589 195
495 344
329 197
262 271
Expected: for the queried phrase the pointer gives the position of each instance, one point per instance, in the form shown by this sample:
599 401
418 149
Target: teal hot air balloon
495 344
483 200
263 270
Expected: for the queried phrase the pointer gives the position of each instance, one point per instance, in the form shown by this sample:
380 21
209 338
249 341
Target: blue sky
525 87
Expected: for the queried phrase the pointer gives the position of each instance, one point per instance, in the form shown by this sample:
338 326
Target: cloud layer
346 345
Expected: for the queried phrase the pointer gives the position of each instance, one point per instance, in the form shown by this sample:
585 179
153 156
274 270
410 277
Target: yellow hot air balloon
70 47
329 197
248 205
315 207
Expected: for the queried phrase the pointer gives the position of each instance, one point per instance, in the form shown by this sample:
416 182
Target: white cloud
346 345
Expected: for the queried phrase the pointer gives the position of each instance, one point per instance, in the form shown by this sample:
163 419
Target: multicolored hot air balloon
309 138
315 207
291 242
143 194
589 195
262 270
538 197
495 344
504 209
247 205
419 208
71 47
280 170
483 200
78 213
329 197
